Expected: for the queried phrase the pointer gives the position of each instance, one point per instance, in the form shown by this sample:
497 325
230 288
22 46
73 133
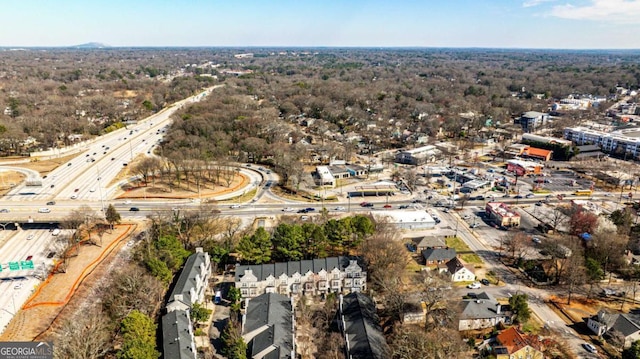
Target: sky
556 24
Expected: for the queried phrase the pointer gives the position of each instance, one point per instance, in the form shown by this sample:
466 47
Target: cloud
621 11
532 3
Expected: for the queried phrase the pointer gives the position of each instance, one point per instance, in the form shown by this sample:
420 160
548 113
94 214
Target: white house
458 271
628 325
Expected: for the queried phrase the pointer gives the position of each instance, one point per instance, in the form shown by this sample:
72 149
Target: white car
288 209
92 190
44 210
590 348
234 206
30 237
608 194
74 196
536 240
17 286
474 285
339 208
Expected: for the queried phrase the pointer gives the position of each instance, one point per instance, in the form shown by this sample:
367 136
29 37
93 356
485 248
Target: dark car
76 190
134 209
29 258
51 203
302 211
518 197
310 209
404 206
485 281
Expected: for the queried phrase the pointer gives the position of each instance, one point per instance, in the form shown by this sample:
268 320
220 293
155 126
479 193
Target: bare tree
86 336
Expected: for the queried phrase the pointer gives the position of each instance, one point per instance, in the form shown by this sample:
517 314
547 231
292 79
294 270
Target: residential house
192 283
436 256
512 344
502 215
178 340
430 242
482 312
360 326
459 271
308 277
268 327
627 325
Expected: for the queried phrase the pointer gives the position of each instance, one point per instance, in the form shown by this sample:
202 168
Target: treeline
293 242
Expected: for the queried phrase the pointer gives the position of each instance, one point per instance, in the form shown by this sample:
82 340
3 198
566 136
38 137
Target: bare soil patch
45 166
163 190
8 180
52 296
125 94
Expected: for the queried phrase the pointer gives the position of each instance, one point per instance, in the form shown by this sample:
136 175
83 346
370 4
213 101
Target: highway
83 180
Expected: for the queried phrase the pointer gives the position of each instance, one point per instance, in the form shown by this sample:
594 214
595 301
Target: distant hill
91 45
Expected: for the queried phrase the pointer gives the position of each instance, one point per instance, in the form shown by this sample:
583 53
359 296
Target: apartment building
308 277
623 141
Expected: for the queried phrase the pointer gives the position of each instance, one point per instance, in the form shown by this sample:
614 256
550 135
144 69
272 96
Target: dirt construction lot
50 299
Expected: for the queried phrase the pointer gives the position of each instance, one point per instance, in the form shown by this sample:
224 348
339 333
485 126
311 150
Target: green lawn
466 254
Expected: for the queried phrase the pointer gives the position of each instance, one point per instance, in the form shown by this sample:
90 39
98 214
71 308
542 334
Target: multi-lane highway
83 180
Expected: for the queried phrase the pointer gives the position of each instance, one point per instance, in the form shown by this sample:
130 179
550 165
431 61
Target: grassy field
466 254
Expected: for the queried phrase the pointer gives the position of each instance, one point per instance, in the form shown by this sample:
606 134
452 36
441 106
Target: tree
520 307
632 352
138 334
233 346
411 341
582 221
516 243
256 248
199 313
594 273
235 296
287 240
112 216
87 336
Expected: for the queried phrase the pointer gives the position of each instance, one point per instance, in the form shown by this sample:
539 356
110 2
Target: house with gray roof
435 256
177 335
604 323
308 277
192 282
360 326
268 327
178 341
430 242
482 311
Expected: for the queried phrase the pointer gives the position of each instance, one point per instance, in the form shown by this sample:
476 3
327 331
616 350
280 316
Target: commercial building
521 167
502 215
417 156
308 277
407 219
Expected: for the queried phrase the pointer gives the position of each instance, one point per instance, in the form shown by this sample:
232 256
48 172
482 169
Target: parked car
474 285
485 281
590 348
536 240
